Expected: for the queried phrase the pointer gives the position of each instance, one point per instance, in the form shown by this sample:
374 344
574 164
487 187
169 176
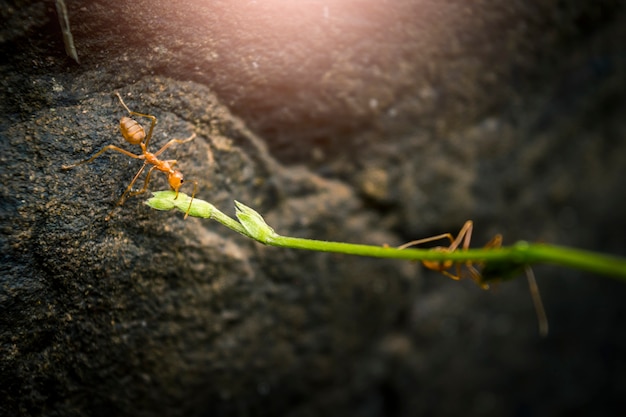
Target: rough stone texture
361 120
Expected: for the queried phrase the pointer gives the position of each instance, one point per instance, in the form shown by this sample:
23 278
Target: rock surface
363 121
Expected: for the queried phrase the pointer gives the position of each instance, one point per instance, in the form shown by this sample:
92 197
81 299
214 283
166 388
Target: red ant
135 134
482 274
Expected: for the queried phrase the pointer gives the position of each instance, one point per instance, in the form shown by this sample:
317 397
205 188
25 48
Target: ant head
176 180
132 131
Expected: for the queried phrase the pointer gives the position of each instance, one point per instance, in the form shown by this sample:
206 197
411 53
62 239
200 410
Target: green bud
199 208
160 203
254 223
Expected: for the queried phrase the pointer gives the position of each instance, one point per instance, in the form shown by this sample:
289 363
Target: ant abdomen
132 131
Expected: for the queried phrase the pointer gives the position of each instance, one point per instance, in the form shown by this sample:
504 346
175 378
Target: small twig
506 259
68 39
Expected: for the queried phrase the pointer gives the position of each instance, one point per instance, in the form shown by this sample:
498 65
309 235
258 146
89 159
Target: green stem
521 253
577 258
499 261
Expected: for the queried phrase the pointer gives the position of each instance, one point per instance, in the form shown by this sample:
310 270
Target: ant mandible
135 134
489 272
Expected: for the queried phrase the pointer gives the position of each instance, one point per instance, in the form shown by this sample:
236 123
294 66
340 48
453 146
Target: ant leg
495 242
195 187
449 275
122 199
100 152
426 240
145 184
466 235
542 318
122 102
466 231
173 141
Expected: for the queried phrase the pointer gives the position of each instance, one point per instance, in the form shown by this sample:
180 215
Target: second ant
480 273
135 134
